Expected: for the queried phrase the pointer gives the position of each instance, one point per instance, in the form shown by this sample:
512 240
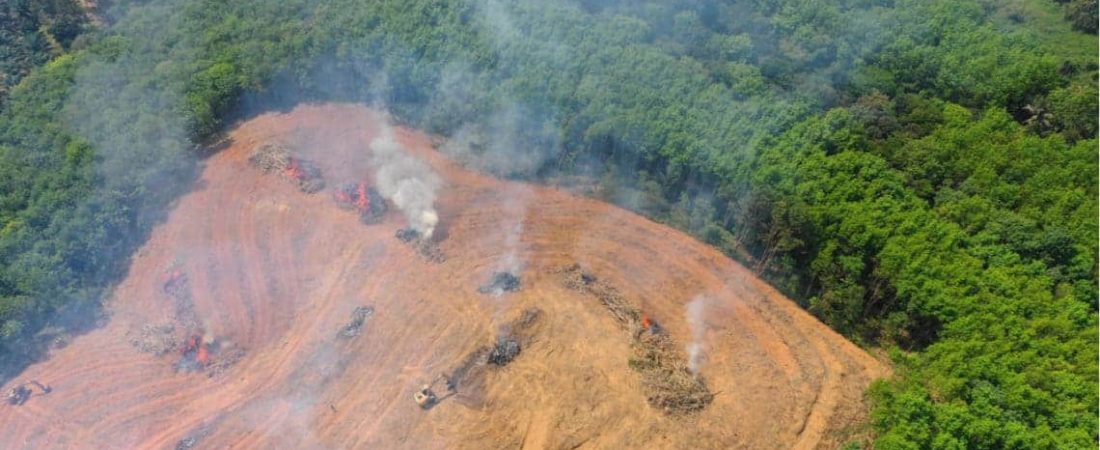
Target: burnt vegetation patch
427 249
468 377
500 283
354 327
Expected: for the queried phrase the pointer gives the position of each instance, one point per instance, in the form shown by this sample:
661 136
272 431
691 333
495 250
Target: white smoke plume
514 211
408 182
696 318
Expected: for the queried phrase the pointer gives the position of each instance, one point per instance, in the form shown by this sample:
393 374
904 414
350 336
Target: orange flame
203 355
192 344
294 169
363 202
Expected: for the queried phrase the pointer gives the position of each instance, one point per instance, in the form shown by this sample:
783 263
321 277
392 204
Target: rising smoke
406 181
695 312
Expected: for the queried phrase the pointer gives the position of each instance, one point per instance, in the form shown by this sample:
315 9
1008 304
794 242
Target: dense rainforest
919 174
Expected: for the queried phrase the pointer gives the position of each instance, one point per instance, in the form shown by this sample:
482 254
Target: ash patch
156 339
468 378
192 439
354 327
504 352
428 250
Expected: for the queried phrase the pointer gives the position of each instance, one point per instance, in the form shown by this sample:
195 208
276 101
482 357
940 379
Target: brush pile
156 339
270 157
354 327
500 283
275 157
159 339
670 386
427 249
223 356
577 279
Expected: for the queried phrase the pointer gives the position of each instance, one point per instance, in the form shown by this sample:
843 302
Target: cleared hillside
276 273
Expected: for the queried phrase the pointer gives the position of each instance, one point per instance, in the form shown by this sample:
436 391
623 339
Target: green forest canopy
921 175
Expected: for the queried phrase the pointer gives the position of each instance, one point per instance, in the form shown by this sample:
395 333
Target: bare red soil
278 272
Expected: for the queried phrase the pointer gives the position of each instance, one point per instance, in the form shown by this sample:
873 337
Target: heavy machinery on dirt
19 395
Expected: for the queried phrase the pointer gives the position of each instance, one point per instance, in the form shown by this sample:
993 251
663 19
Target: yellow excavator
426 398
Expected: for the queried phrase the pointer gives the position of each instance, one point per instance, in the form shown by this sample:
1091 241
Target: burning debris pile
355 326
670 384
275 157
364 200
207 354
195 354
198 350
500 283
19 395
428 249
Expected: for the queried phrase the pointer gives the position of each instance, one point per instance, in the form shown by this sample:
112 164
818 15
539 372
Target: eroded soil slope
274 274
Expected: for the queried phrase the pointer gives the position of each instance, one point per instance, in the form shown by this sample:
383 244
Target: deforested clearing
272 274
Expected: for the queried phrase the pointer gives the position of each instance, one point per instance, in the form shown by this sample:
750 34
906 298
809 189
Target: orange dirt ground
277 272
